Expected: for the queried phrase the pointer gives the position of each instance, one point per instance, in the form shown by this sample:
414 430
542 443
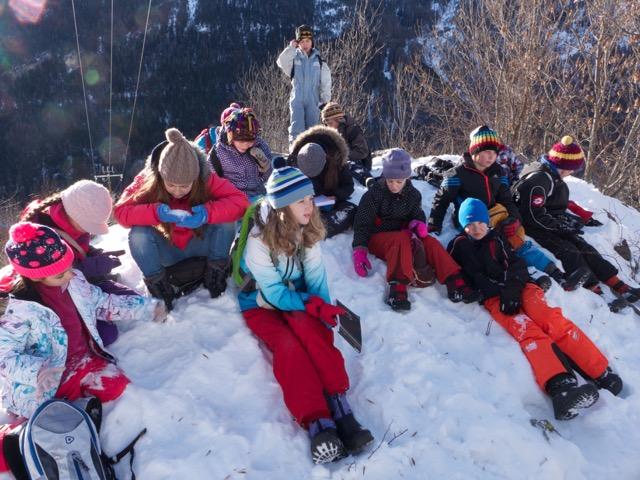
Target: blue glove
198 217
165 215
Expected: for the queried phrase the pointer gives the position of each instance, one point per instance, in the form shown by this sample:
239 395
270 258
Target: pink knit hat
36 251
89 205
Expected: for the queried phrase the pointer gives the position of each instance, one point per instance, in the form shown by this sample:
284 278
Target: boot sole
328 452
583 400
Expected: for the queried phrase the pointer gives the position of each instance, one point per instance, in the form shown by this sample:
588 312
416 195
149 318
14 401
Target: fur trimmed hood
329 139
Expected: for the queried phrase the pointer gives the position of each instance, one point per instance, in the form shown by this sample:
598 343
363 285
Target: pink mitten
361 263
419 228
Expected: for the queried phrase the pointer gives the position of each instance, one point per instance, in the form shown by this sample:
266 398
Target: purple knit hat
36 251
396 164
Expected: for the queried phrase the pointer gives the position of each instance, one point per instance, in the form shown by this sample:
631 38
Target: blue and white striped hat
286 185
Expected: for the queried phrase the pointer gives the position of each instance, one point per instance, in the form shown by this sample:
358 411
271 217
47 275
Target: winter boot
398 298
544 282
326 446
215 277
609 381
568 397
630 294
159 287
572 281
354 437
459 291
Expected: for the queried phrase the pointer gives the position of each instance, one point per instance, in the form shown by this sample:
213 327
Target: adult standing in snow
240 155
545 336
76 213
310 81
543 198
479 176
288 307
49 342
390 223
321 154
333 116
177 208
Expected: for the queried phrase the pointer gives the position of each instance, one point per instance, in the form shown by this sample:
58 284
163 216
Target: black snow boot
544 282
398 298
326 446
609 381
159 287
568 397
353 435
215 277
572 281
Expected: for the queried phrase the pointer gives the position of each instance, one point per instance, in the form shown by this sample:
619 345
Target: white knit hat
89 205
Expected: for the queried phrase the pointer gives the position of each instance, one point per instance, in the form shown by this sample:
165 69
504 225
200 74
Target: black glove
569 225
510 301
592 222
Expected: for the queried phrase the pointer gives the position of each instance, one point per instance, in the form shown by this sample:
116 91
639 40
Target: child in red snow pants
94 377
538 327
396 250
305 362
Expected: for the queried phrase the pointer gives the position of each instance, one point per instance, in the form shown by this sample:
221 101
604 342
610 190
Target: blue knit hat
473 210
286 185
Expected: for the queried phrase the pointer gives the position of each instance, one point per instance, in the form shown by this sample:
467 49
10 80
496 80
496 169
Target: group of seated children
184 207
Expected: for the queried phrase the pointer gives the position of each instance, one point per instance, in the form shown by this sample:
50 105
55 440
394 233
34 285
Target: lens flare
28 11
92 76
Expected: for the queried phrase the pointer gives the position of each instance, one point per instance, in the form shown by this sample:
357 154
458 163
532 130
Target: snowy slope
442 399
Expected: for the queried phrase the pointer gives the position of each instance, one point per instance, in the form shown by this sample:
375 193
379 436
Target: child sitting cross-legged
390 223
553 345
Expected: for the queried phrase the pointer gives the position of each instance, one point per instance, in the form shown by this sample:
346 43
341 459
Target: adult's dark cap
304 31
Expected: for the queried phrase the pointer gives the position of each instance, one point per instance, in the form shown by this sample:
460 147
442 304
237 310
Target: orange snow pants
537 327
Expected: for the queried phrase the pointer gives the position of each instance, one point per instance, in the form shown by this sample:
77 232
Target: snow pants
396 250
93 377
338 218
574 253
302 115
538 327
523 248
306 364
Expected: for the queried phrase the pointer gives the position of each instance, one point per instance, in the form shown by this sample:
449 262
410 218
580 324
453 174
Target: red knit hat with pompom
566 154
36 251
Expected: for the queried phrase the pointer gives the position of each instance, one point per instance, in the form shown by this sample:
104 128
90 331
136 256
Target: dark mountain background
195 54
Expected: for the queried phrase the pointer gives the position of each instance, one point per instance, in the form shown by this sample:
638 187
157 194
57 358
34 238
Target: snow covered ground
442 399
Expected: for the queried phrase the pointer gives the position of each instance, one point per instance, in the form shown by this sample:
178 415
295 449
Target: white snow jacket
311 79
32 338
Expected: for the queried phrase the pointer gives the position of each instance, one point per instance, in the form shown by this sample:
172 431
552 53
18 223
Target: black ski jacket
383 211
489 264
465 181
542 197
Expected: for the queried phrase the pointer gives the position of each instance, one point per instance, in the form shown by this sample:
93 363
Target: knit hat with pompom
179 161
566 154
36 251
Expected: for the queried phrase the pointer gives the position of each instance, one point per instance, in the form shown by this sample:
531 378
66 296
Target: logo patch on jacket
537 200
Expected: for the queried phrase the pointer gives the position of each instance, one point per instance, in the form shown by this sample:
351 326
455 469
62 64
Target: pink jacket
226 204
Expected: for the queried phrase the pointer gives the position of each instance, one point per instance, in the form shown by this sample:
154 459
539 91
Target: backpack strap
215 162
125 451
